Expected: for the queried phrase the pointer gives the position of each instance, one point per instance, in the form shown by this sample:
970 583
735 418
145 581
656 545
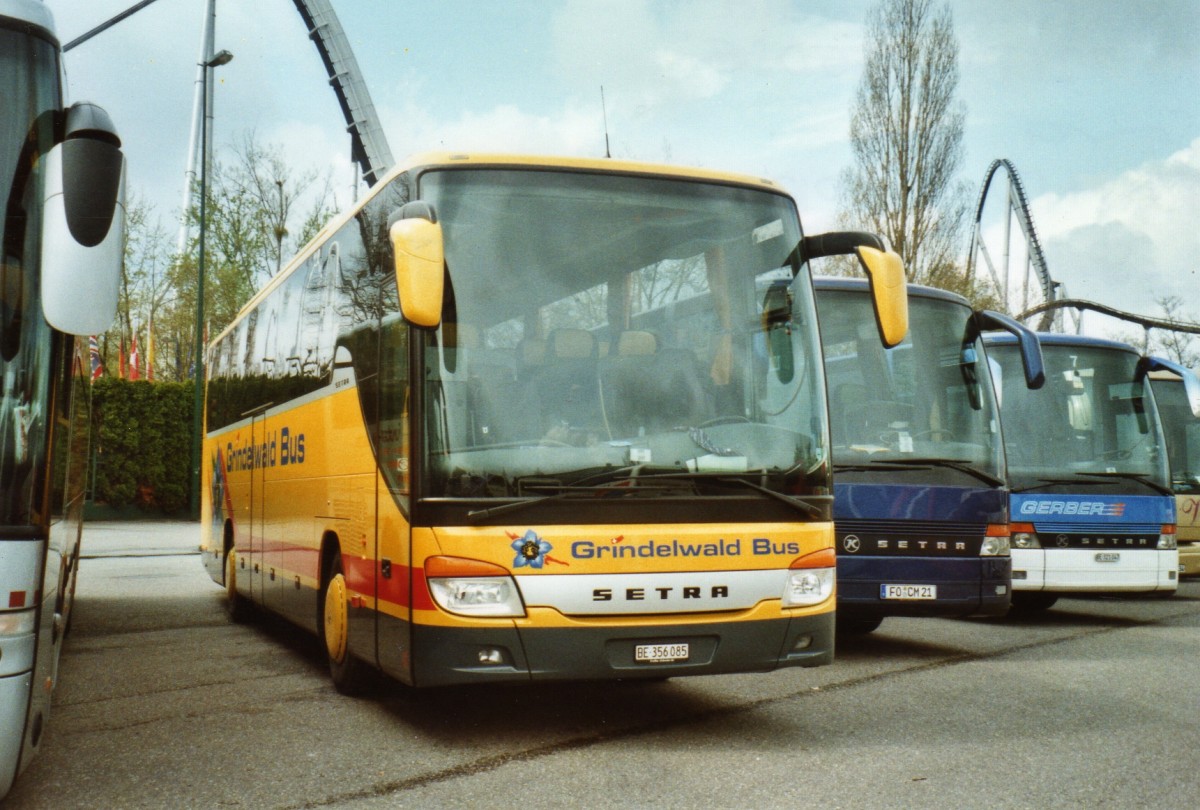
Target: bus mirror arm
1191 384
885 273
1027 341
83 229
418 250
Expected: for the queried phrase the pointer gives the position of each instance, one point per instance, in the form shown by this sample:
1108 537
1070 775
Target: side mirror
83 227
1027 342
888 293
1191 384
419 254
884 269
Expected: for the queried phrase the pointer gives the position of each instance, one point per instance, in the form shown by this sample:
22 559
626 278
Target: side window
394 390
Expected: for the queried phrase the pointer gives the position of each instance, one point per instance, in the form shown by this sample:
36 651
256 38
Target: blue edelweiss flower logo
531 550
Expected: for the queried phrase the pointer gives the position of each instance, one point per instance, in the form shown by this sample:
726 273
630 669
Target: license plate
660 653
1108 556
908 592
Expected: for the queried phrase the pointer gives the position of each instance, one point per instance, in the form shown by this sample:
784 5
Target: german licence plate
1108 556
908 592
660 653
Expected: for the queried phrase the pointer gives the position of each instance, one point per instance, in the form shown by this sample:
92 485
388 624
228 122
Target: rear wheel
348 673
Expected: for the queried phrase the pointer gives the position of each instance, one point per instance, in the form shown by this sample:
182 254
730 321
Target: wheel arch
331 549
226 546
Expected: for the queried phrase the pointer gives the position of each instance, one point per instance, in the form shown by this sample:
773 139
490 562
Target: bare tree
906 134
1177 346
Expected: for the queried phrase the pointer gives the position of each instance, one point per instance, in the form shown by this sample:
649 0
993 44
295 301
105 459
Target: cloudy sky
1094 102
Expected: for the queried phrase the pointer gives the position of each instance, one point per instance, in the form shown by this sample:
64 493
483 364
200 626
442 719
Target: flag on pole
150 350
94 354
134 360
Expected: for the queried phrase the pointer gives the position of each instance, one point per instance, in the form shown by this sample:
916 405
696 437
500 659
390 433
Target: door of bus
258 503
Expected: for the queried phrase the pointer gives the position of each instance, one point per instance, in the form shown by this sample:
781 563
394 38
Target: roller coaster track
1018 208
1140 320
368 146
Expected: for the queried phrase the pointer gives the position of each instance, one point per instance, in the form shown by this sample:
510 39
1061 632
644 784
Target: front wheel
857 626
348 673
1025 603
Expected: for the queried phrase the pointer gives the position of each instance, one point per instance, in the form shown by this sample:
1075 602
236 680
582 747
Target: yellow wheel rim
336 614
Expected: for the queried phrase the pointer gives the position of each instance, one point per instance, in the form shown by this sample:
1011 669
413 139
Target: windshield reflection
618 323
925 406
1093 421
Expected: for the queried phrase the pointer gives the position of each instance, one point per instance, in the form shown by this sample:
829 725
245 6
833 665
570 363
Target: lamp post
221 58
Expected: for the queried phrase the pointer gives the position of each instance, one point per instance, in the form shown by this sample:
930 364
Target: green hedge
142 444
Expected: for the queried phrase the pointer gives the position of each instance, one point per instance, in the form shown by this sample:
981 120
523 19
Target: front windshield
1182 431
29 89
601 324
1094 422
903 410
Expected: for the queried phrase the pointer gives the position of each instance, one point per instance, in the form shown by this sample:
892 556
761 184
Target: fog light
1001 590
802 643
490 655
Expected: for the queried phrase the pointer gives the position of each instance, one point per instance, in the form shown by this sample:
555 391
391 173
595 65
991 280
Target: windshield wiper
1141 478
874 466
1045 482
513 506
613 485
796 503
962 465
804 506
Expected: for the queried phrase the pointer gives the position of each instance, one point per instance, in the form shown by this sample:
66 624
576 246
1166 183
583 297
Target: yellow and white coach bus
537 418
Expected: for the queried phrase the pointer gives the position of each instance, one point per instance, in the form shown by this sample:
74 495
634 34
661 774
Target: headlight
478 596
473 588
1166 540
810 579
17 623
994 547
808 587
995 541
1024 536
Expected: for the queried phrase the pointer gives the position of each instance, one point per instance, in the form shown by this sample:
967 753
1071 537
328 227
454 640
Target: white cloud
659 54
503 128
1131 240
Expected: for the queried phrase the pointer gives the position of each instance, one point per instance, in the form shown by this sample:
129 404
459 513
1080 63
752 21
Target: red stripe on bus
394 589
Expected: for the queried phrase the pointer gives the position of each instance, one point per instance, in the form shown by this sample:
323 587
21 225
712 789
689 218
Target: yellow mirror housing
420 258
888 292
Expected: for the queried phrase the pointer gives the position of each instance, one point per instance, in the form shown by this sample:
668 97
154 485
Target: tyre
236 606
857 626
349 674
1025 603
